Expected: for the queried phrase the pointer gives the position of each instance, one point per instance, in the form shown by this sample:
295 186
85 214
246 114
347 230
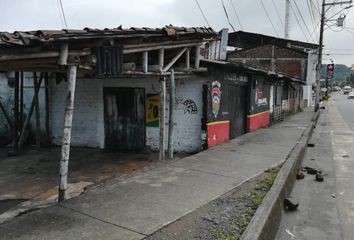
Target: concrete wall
88 122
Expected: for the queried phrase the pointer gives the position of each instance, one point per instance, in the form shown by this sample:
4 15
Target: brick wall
88 120
287 61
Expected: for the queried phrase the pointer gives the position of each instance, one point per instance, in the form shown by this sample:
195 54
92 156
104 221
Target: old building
282 56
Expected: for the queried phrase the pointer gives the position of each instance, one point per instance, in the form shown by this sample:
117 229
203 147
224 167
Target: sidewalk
134 206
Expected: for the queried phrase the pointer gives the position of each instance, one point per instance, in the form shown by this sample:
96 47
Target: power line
227 15
238 19
298 22
270 20
201 11
277 12
62 11
302 18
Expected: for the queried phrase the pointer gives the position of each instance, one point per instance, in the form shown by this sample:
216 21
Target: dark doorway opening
237 110
124 115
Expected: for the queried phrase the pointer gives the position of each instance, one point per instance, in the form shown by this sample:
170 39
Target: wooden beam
161 59
37 111
162 137
188 53
47 114
145 62
66 138
197 56
21 99
142 48
16 112
63 54
24 131
47 54
170 64
2 108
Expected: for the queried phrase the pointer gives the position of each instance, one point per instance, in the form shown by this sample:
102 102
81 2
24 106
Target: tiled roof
27 38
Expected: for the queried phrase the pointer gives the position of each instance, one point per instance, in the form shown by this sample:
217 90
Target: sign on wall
152 110
216 97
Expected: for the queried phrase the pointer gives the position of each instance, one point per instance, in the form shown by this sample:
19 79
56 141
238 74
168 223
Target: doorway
237 110
124 118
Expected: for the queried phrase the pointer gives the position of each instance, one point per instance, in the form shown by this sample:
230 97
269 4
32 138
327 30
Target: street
326 209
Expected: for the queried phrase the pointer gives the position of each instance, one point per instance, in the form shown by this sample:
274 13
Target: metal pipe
162 118
171 121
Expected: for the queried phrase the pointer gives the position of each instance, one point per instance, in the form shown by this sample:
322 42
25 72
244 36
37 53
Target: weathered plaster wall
88 121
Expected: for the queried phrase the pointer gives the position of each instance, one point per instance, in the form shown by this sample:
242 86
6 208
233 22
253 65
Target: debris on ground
289 205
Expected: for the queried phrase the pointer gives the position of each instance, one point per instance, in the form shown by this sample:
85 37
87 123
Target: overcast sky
44 14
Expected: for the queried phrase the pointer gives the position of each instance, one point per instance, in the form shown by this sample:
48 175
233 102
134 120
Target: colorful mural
216 97
152 110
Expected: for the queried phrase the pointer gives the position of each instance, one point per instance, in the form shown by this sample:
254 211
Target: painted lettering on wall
216 97
260 100
152 110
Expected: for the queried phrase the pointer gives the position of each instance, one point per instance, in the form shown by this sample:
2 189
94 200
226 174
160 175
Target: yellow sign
152 110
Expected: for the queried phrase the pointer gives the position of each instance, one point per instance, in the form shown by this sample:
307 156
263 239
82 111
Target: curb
265 222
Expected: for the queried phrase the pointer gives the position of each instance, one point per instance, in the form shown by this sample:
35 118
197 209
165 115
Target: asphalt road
346 108
326 209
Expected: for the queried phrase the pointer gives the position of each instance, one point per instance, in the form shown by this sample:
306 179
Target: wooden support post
197 56
188 54
170 64
47 115
145 62
21 99
16 113
6 115
162 118
24 131
64 53
65 148
37 111
171 121
161 59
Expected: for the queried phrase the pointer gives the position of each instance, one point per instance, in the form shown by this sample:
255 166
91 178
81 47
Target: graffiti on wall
190 107
152 110
216 97
260 99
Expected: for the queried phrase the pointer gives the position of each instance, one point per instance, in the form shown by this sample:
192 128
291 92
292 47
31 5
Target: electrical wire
298 22
227 15
238 19
63 13
277 12
270 20
201 11
302 18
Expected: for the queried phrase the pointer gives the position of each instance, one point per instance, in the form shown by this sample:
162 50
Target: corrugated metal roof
25 38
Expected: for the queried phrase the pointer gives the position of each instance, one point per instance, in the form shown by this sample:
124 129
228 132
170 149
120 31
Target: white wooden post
65 148
145 62
161 59
188 53
197 56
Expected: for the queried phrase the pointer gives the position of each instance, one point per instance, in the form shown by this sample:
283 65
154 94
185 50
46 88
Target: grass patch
249 202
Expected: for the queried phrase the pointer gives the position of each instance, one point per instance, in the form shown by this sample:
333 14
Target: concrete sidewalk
134 206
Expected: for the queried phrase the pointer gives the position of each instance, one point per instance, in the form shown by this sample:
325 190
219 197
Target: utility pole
287 19
320 48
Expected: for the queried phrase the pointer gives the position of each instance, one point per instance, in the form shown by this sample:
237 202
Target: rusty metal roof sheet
27 38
